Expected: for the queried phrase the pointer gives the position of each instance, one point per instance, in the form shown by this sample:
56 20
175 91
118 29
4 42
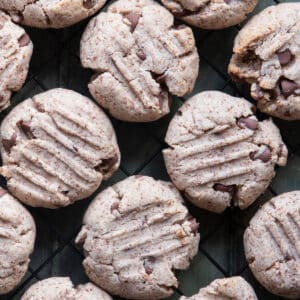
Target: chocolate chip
88 4
179 113
106 164
9 143
288 257
141 54
288 87
224 188
194 225
114 206
251 260
65 192
24 40
249 122
264 154
148 264
285 57
133 18
26 128
227 1
2 192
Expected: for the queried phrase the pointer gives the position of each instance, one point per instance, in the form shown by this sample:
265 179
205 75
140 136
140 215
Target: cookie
234 288
272 245
56 148
134 235
139 57
17 236
50 14
267 56
58 288
219 153
15 54
211 14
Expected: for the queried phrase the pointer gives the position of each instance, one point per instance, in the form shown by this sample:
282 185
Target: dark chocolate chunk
288 87
133 18
9 143
24 40
249 122
285 57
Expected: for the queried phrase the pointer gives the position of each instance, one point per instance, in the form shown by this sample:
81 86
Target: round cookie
50 13
15 54
140 57
134 235
56 148
267 56
233 288
17 236
219 153
58 288
211 14
272 245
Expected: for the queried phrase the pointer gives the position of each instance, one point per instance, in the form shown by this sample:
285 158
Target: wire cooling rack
56 63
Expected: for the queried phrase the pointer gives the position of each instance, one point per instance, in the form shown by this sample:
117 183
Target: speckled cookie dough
15 54
267 56
61 288
56 148
140 57
50 13
233 288
134 235
272 245
219 153
17 236
211 14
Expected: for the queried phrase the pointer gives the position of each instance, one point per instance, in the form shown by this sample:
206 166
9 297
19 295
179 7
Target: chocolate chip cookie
17 236
272 245
50 13
61 288
15 54
219 153
140 57
211 14
57 147
267 56
233 288
134 235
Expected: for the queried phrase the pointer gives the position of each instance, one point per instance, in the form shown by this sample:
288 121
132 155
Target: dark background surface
56 63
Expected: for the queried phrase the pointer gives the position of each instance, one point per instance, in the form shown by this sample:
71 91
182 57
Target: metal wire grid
221 235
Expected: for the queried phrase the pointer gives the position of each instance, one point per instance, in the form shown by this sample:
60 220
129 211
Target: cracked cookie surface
61 288
50 13
219 153
271 244
232 288
267 56
56 148
134 235
140 58
15 54
17 236
211 14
